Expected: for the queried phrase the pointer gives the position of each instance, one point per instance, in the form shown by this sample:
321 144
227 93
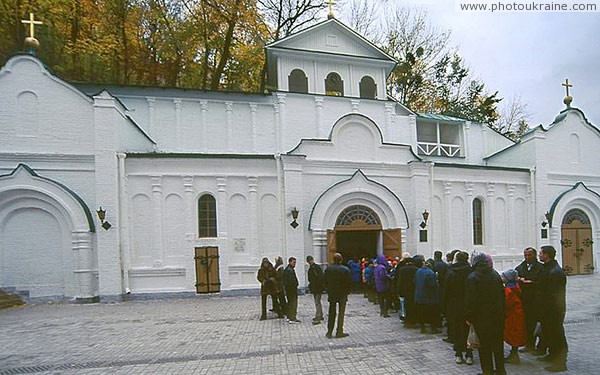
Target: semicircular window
357 212
334 86
298 82
367 88
576 214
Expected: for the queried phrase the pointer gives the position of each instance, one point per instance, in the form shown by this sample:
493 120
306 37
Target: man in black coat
338 282
484 308
316 287
529 273
456 280
290 283
552 307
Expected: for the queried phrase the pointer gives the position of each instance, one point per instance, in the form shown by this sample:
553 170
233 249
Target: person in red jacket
515 333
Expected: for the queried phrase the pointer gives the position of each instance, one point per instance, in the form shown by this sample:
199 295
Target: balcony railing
438 149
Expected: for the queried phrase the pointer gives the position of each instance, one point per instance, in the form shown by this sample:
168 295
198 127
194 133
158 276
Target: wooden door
207 270
331 248
577 250
392 243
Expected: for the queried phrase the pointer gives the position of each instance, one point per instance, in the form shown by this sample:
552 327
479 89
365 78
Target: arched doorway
358 234
576 242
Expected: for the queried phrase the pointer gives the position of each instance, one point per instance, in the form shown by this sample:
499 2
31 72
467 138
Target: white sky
528 54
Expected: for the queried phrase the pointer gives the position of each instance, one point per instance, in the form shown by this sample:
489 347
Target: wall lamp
102 216
547 216
295 213
425 215
423 225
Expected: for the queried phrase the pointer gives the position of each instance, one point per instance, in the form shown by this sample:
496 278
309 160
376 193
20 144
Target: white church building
113 190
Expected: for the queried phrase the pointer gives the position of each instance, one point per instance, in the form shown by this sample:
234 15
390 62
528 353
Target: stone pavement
222 335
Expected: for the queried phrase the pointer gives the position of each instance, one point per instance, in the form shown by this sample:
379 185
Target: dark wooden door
331 245
576 241
207 270
392 243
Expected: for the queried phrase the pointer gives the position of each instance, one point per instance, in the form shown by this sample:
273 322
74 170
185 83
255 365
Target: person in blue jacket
382 285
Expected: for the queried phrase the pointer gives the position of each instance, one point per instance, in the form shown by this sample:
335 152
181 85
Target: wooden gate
207 270
392 243
576 241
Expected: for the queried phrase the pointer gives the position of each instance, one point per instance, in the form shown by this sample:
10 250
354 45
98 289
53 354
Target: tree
514 118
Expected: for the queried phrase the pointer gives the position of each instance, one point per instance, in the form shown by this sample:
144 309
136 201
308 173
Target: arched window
576 214
207 216
297 81
477 222
368 88
334 85
364 214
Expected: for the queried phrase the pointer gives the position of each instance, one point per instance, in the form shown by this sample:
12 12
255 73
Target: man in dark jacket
290 283
427 296
529 273
552 307
267 276
484 308
316 287
338 282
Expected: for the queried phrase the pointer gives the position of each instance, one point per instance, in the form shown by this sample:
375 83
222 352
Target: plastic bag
472 339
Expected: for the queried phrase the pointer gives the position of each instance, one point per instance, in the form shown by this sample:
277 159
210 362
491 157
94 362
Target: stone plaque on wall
239 244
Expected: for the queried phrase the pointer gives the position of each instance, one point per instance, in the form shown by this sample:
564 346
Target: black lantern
295 213
102 216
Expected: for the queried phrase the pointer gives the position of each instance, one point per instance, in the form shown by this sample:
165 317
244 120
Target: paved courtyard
222 335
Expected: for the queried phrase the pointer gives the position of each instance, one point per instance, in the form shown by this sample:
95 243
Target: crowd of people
524 307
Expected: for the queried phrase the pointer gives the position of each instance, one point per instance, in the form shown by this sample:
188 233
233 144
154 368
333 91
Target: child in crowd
514 323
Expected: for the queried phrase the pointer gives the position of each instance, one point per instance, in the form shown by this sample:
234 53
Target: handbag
472 339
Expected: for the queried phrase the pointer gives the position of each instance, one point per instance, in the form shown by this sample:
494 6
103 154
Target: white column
448 212
124 219
222 226
282 121
190 235
468 227
319 127
254 219
85 270
354 105
204 143
229 124
178 125
253 124
157 220
380 243
490 238
510 229
320 246
389 108
151 102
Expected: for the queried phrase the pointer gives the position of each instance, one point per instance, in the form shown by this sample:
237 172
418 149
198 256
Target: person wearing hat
484 307
514 322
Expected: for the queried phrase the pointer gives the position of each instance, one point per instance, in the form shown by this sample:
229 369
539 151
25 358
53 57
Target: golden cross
31 23
331 4
566 84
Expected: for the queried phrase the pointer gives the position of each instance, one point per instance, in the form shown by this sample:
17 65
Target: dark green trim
349 179
555 203
81 202
482 167
437 117
140 129
172 155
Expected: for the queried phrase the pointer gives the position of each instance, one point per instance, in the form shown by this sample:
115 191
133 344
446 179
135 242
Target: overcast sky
528 54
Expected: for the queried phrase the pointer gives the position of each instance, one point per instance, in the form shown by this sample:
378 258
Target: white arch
358 190
23 188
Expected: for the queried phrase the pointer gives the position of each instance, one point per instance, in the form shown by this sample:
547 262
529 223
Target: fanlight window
368 88
357 212
298 82
334 85
576 214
